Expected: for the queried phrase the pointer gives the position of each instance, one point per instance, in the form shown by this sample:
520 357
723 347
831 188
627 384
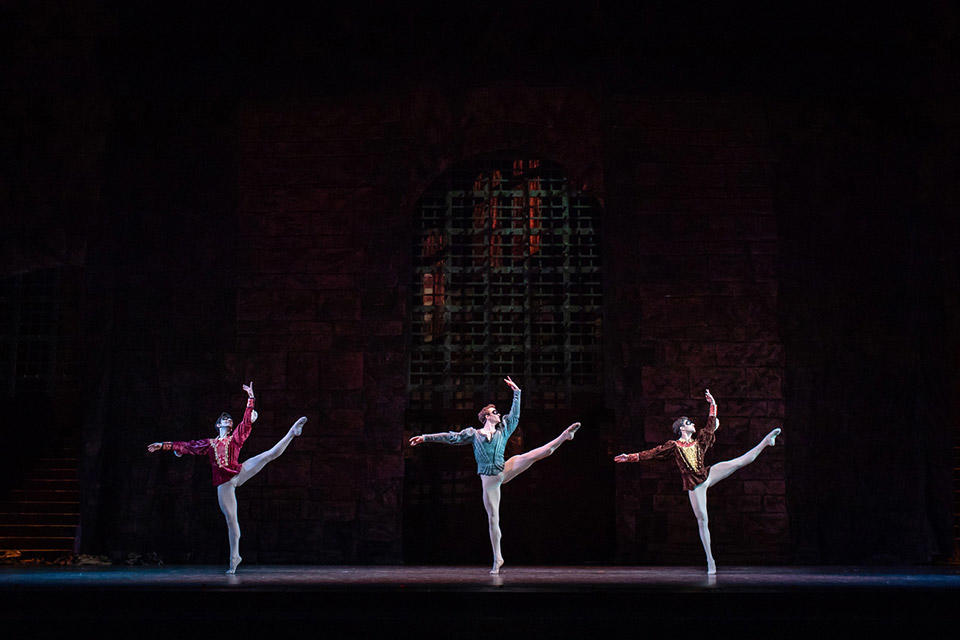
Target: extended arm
242 432
661 452
446 437
192 447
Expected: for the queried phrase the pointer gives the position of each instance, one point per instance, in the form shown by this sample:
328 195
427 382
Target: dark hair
224 416
677 424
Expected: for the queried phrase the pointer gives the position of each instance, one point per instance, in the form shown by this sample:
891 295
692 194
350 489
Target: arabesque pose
688 451
489 442
228 473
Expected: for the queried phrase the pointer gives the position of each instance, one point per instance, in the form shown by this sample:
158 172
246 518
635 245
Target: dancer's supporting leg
252 466
521 462
491 502
227 497
698 500
719 471
511 469
227 492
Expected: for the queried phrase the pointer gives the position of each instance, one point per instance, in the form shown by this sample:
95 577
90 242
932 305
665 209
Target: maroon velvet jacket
692 469
224 453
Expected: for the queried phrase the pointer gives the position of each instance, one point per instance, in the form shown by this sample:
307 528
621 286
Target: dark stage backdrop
233 199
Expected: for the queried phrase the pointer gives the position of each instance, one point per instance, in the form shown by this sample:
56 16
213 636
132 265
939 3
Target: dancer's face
687 429
225 423
493 416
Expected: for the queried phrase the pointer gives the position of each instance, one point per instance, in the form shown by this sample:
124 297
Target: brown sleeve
707 435
661 452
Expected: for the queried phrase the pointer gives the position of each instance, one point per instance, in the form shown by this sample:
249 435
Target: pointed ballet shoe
572 429
773 436
234 563
711 568
298 425
496 569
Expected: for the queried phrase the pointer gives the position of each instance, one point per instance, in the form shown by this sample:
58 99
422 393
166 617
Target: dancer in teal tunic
489 442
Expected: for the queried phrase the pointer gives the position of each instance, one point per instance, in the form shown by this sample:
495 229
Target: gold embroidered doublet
691 455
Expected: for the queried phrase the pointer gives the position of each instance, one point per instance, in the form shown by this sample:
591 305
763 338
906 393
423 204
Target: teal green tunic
488 453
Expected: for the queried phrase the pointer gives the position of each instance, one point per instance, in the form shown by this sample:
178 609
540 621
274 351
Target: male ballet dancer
489 442
688 451
228 473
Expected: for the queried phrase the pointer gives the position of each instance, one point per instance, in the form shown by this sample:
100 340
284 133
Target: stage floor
409 601
476 578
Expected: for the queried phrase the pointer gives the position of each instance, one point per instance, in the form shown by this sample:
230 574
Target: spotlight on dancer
228 473
489 442
688 451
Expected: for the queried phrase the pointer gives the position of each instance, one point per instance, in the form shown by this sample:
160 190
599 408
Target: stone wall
692 256
326 192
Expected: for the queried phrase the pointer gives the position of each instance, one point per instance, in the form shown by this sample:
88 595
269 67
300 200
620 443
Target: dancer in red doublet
228 472
688 451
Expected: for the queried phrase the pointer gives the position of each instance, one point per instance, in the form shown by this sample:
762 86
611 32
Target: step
53 473
59 519
45 495
46 555
51 543
46 484
47 506
37 531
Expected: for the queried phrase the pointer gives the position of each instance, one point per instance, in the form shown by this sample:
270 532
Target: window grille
506 282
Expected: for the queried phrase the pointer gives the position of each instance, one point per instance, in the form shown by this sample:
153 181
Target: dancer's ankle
297 427
234 563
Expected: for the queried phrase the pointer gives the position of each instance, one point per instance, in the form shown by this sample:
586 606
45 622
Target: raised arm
242 432
511 420
713 403
713 423
660 452
446 437
707 435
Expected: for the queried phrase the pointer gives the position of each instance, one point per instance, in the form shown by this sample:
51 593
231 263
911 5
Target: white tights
511 469
719 471
227 492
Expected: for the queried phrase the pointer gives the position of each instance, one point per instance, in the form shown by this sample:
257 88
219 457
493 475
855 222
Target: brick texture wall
326 190
692 254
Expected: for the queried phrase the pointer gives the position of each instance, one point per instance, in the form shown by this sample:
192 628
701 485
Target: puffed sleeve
191 447
242 432
706 436
511 420
660 452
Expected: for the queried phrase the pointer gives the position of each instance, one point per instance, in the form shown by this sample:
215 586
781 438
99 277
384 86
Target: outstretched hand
415 440
249 389
709 397
154 447
511 384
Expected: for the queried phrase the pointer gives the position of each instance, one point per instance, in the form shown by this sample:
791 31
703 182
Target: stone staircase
40 518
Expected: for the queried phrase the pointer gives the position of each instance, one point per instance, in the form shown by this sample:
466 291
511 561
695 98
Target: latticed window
506 282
